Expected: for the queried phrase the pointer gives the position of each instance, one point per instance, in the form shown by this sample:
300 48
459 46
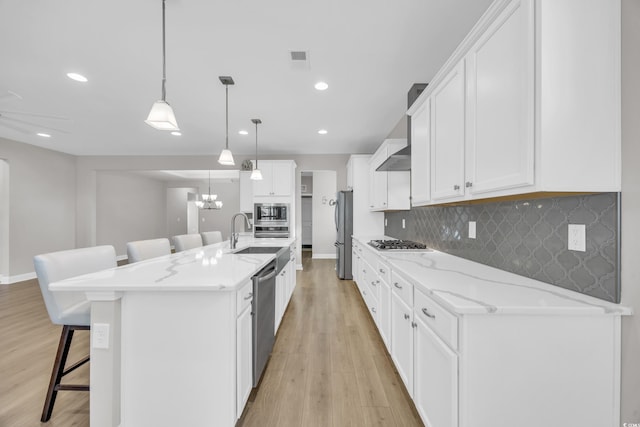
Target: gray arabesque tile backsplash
527 237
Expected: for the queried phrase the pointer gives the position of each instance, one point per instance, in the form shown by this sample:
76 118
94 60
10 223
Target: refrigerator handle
335 214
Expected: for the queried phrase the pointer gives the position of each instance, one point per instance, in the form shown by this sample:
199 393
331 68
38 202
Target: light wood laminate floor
329 366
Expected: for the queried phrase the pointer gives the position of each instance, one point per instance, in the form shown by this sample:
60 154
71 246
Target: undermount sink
259 250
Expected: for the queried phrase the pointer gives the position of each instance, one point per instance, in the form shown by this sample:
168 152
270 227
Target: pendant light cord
164 60
227 115
257 145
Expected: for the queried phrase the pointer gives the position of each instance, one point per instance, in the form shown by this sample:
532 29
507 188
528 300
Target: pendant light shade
256 175
226 158
161 115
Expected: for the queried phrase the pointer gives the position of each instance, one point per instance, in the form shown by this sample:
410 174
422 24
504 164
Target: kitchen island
169 336
477 346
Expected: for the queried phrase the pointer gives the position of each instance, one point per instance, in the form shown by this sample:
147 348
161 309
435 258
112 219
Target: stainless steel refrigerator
344 230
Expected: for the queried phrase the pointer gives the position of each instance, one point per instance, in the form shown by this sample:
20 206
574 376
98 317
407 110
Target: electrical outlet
100 335
472 229
577 237
404 225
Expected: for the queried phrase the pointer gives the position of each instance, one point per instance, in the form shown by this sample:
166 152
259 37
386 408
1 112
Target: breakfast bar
167 340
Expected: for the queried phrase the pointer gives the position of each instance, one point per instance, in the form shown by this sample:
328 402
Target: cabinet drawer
384 271
402 288
244 296
442 322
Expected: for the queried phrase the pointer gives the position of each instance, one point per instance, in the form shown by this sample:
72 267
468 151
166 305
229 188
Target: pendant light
208 201
161 115
226 158
256 175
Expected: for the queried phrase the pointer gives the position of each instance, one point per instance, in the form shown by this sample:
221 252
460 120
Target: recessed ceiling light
321 86
176 133
77 77
44 135
322 131
243 132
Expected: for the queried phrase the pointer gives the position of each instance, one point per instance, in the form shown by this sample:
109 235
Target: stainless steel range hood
398 161
401 160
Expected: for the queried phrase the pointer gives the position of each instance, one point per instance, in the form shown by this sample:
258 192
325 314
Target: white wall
324 231
42 197
176 210
220 220
4 221
630 253
129 207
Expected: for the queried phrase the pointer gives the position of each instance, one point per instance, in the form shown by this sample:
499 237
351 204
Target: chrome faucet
234 236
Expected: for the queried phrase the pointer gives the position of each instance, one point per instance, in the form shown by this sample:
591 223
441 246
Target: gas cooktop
398 245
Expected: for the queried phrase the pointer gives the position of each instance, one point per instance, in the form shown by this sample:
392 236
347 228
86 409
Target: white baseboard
4 279
323 256
20 278
299 267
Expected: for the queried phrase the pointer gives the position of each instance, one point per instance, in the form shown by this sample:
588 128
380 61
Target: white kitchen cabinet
281 298
500 101
512 113
402 340
246 192
435 386
244 355
277 178
388 190
447 136
384 312
420 156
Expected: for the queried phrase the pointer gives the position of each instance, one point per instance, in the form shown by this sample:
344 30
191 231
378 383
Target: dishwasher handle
268 276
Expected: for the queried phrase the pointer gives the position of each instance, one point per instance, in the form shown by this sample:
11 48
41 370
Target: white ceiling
369 52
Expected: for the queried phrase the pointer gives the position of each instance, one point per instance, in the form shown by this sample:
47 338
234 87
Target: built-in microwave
271 219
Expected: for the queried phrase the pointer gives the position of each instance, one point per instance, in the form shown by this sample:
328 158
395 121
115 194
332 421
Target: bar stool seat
70 309
187 241
211 237
145 249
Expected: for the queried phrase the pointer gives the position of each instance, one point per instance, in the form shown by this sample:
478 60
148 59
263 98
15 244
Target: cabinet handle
468 184
371 206
397 285
414 325
249 296
373 309
426 313
406 316
364 271
456 187
382 271
364 292
373 283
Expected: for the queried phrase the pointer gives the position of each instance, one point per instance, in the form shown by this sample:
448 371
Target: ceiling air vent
299 59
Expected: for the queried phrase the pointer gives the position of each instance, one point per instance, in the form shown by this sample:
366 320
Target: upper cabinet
388 190
277 178
512 112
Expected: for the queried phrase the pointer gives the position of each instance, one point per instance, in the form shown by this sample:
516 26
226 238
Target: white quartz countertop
468 287
209 268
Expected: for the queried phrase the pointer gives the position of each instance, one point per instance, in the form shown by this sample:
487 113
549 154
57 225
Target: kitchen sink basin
259 250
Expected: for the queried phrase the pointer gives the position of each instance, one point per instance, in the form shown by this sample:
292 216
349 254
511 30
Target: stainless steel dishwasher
264 312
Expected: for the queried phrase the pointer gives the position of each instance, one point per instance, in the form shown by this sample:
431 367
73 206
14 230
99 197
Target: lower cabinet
244 350
384 312
402 340
435 387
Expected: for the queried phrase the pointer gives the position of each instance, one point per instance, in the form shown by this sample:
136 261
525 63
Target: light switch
403 224
385 222
472 229
100 335
577 237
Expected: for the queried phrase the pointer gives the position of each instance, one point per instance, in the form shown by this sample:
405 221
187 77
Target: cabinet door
384 312
436 379
282 179
280 295
402 341
420 159
377 182
500 103
244 355
447 136
263 187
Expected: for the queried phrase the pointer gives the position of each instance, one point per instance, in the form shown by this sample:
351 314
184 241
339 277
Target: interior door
307 221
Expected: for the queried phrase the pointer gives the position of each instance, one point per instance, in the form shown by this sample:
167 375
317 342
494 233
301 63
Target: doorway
306 190
4 222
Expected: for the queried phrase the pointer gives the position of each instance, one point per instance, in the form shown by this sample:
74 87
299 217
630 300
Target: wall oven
271 219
